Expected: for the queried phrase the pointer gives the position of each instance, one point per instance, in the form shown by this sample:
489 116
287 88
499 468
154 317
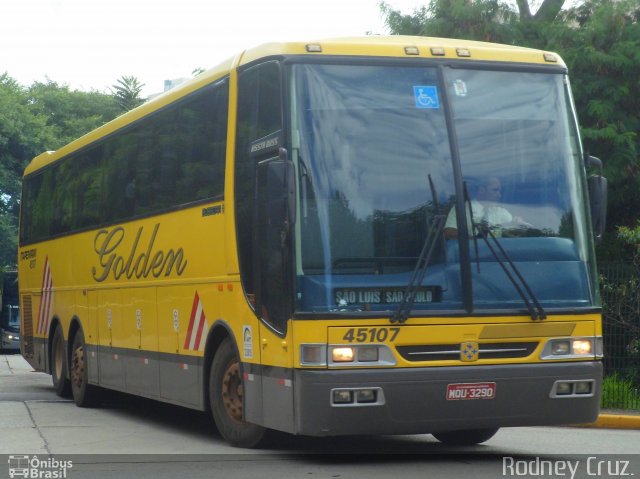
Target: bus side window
88 188
38 207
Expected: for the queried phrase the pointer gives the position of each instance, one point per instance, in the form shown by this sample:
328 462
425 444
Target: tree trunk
547 12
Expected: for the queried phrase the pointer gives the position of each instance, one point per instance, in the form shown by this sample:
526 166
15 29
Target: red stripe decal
194 308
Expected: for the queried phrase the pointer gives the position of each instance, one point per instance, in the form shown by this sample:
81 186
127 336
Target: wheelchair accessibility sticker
426 97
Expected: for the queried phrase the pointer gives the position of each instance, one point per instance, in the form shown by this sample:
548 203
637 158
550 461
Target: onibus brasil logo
35 468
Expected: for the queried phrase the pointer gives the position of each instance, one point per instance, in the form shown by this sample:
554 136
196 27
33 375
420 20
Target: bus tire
467 437
226 399
61 383
84 394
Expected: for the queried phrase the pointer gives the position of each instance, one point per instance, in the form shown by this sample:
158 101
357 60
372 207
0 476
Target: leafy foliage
622 293
127 93
620 286
42 117
70 113
22 135
486 20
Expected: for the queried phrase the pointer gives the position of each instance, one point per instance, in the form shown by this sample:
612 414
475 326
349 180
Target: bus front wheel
466 437
226 398
84 394
61 383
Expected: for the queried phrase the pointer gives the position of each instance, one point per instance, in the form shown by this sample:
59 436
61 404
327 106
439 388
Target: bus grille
451 352
27 333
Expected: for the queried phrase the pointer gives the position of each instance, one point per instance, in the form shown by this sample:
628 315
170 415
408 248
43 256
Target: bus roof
397 46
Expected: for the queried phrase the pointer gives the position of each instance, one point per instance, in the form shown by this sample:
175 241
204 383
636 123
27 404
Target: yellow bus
281 242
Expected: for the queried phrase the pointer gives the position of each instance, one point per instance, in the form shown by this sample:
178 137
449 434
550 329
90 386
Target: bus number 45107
371 335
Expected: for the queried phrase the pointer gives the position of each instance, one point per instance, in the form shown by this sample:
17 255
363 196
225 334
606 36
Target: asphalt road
129 436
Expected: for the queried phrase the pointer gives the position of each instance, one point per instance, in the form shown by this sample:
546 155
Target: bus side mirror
597 197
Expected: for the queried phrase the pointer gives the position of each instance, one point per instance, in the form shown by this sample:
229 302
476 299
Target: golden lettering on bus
138 262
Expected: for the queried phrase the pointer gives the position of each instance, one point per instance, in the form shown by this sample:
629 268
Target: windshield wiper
408 298
536 311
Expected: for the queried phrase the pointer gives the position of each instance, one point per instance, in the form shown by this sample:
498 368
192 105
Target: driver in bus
486 211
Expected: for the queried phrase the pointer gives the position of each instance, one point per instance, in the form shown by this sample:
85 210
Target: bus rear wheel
465 438
61 383
226 398
84 394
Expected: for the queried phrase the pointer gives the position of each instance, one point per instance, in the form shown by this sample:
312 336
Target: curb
615 421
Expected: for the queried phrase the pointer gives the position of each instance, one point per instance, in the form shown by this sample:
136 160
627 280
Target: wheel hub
77 367
232 392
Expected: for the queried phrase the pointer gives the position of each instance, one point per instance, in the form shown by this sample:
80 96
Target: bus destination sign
425 295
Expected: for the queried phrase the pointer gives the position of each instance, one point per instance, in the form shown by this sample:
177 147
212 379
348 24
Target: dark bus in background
10 313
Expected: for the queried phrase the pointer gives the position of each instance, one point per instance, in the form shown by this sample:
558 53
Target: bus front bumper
423 400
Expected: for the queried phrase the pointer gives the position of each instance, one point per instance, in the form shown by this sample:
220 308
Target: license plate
468 391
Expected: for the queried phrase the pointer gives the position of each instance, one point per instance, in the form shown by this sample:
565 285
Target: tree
127 92
603 55
486 20
42 117
22 135
547 12
71 114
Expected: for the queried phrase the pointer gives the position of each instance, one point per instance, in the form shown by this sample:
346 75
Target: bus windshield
11 316
366 140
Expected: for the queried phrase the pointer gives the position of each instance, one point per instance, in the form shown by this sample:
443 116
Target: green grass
620 393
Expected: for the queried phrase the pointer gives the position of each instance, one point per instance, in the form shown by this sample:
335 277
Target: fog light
560 347
583 387
366 396
342 396
367 354
581 346
564 389
342 355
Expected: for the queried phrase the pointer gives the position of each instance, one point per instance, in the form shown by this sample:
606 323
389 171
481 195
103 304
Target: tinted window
259 115
171 158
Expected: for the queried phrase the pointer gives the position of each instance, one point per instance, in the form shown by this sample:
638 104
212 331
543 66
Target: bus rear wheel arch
226 399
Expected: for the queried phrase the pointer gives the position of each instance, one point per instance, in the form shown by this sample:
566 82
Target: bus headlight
368 354
560 347
313 354
572 348
345 355
342 355
582 347
361 355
